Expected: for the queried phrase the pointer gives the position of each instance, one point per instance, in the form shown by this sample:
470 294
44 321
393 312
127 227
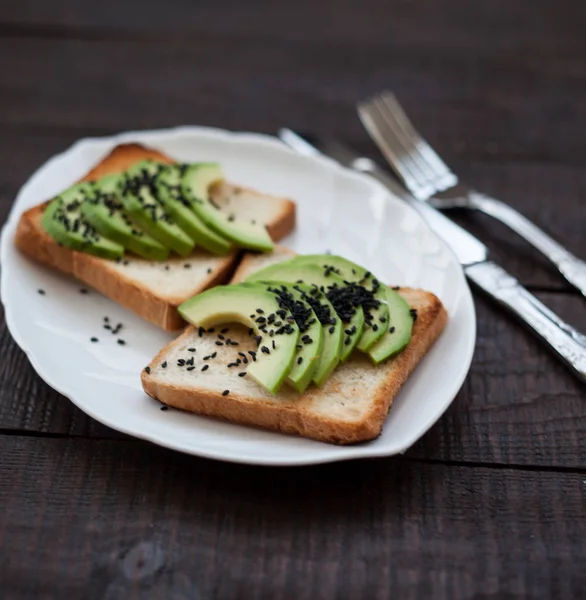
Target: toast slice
350 407
153 290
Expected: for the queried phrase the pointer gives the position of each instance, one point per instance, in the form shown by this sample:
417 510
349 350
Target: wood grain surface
144 522
491 503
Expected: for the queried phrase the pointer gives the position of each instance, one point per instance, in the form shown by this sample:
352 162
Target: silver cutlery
428 178
567 342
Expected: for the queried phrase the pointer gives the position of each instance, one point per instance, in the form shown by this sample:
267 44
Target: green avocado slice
65 223
104 211
376 311
196 181
332 330
398 332
182 211
311 337
138 192
351 317
244 303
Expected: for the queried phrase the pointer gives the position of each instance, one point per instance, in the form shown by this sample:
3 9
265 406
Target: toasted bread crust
32 240
295 416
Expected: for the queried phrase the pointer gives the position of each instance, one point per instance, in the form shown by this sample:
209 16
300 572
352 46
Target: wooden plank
89 520
549 194
519 405
479 102
523 24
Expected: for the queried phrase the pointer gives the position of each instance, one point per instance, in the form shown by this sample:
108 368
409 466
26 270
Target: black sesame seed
180 362
94 339
83 291
221 337
191 349
187 266
265 350
242 374
164 365
214 354
413 313
205 367
190 368
211 330
207 357
225 392
242 354
200 331
209 271
163 408
274 347
225 330
121 342
219 343
166 269
106 326
250 331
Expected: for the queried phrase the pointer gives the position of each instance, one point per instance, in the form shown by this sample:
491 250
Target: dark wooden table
491 503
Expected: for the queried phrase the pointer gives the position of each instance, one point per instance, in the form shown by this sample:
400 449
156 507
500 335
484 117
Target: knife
567 343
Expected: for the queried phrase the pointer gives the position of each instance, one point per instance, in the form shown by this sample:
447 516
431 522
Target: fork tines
422 171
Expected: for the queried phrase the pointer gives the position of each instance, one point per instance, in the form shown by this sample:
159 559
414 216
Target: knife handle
570 266
567 342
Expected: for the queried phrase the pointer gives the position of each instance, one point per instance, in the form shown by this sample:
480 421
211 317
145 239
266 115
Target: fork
428 178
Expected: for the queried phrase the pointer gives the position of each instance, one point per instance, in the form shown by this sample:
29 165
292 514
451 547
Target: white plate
338 210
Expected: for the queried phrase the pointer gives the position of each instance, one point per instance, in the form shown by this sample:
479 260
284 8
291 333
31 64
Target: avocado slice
376 311
181 210
196 182
64 222
104 211
311 337
331 327
140 201
342 297
398 332
245 303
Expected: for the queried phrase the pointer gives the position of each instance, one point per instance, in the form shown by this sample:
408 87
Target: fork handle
570 266
506 290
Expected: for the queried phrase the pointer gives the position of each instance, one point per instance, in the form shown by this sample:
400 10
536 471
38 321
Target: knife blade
567 343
